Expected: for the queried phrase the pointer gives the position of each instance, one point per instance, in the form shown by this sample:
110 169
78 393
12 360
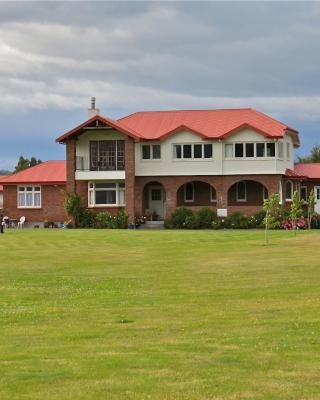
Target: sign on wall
222 212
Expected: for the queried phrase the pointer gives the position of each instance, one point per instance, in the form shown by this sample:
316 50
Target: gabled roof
102 120
310 170
48 172
210 124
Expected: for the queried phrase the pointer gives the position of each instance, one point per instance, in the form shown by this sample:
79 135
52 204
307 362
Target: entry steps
153 225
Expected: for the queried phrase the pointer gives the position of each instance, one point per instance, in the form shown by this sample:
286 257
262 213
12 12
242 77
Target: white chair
21 222
5 222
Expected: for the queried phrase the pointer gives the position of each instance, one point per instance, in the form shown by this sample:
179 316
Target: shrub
205 217
179 216
315 222
87 219
237 221
73 206
192 222
122 219
256 221
105 220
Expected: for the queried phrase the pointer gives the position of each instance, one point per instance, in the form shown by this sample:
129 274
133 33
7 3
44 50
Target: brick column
71 164
220 185
171 198
130 178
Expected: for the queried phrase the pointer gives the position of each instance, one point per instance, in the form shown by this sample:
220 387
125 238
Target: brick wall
222 184
52 204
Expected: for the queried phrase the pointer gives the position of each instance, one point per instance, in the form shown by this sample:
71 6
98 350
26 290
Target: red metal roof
48 172
212 124
310 170
209 124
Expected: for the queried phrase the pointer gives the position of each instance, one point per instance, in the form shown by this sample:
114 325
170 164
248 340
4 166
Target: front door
317 194
156 200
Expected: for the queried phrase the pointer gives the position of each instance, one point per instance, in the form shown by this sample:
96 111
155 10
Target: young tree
295 210
311 205
73 206
272 209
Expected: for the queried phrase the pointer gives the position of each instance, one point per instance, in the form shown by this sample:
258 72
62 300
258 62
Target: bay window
106 194
29 196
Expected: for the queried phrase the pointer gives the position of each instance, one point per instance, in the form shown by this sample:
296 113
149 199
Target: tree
24 163
313 157
295 210
311 205
272 209
73 206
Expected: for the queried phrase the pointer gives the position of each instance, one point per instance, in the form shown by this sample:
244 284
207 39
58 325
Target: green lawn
99 314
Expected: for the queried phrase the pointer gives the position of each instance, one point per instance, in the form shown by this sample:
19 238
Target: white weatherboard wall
83 150
218 165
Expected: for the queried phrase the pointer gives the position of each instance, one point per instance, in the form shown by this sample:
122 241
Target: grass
197 315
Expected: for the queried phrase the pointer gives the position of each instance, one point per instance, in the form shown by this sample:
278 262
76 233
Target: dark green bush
205 217
179 216
238 221
192 222
257 220
105 220
87 219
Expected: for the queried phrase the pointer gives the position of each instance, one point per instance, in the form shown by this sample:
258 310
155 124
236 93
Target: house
152 162
1 191
38 193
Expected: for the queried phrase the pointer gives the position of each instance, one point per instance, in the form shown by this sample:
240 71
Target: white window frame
280 150
118 189
25 192
285 191
184 192
213 190
245 192
192 158
151 145
255 157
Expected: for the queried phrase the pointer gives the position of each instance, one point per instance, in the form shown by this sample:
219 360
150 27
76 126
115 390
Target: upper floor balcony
105 160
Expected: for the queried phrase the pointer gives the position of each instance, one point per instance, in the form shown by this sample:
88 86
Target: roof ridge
185 110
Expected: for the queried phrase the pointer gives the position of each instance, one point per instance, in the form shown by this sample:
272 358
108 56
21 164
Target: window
189 192
228 150
213 194
106 155
288 190
238 150
260 150
288 151
249 150
195 151
177 151
106 194
29 196
208 150
280 150
241 191
151 151
271 149
187 151
156 194
303 193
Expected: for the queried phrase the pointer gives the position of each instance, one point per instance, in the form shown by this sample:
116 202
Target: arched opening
196 193
154 201
247 193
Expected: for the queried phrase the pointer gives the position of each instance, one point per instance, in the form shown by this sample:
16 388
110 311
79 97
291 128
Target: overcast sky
137 56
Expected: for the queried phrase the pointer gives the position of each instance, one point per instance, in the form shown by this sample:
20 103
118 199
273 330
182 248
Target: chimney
93 110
